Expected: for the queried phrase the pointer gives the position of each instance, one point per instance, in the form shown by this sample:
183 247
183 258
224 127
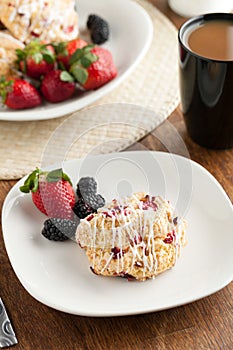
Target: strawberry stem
56 175
31 184
80 61
79 53
5 87
37 51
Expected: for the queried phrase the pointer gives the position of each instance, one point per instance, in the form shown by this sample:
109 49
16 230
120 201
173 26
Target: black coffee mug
206 89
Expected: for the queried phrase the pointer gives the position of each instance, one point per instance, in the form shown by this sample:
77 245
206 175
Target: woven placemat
152 85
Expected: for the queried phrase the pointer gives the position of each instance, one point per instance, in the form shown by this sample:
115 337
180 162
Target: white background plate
58 274
131 34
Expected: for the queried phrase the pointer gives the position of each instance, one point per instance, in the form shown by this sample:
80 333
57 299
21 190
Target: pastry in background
7 53
47 20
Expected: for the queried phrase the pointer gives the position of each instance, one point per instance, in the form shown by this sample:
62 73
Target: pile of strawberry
55 72
53 194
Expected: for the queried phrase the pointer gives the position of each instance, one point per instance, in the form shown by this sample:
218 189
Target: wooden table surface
204 324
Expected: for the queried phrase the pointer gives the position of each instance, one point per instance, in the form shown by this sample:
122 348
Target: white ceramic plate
131 34
58 274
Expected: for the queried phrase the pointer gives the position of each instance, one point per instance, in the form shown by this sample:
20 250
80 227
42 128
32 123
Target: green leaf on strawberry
60 48
80 53
20 54
56 175
48 55
32 181
88 59
5 87
79 73
80 61
37 57
65 76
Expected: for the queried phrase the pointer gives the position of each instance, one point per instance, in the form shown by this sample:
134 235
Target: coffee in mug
206 79
211 39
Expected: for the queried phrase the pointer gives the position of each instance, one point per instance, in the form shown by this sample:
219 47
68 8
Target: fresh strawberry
36 59
57 86
19 94
52 193
65 50
92 67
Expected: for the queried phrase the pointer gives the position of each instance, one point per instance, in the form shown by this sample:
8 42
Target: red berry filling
175 221
36 35
170 237
117 252
69 29
149 202
90 217
137 239
116 210
128 276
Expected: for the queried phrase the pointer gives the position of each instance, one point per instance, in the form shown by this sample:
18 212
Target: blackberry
86 186
82 209
88 201
88 205
97 202
92 20
56 229
99 29
93 200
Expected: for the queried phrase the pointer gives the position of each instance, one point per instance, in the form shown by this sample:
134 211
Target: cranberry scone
7 53
136 237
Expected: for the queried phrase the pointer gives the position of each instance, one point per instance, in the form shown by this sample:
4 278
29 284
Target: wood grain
204 324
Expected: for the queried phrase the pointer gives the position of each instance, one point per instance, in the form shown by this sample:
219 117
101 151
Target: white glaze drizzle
56 18
141 219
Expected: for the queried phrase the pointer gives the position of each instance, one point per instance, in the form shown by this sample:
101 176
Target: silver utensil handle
7 334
